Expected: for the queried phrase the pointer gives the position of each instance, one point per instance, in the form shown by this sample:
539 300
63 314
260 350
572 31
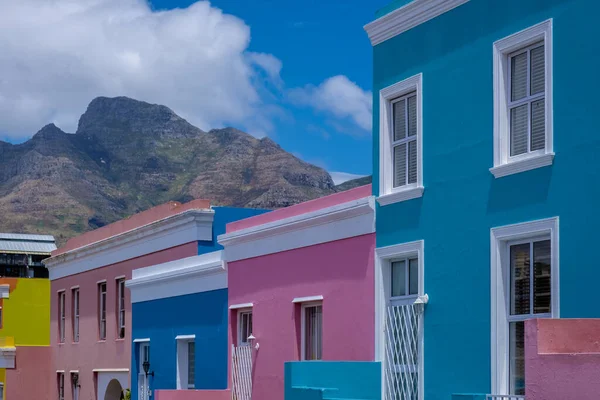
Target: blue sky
296 71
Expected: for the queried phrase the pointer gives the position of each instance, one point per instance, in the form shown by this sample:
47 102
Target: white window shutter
538 74
412 116
400 165
518 130
400 120
518 75
538 121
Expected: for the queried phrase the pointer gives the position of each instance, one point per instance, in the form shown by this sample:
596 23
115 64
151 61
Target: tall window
102 310
404 141
75 314
191 347
121 307
61 386
244 327
61 316
186 361
312 331
530 297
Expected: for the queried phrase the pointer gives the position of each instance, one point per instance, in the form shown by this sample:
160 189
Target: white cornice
185 276
353 218
407 17
189 226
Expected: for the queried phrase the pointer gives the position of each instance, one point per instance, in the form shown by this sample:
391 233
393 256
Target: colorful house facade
300 283
180 322
90 306
24 316
480 134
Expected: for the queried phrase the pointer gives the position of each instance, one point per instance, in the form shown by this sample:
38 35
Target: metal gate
241 371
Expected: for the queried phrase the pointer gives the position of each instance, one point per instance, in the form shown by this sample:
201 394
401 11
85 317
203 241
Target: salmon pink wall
32 376
340 271
90 353
562 359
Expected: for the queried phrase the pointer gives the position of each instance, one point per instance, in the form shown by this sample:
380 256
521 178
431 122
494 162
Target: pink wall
562 359
33 381
340 271
192 395
90 353
302 208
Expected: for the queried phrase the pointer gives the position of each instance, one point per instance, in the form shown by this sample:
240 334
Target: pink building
301 287
90 308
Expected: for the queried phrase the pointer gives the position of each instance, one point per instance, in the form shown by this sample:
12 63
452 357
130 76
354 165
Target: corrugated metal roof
26 236
24 243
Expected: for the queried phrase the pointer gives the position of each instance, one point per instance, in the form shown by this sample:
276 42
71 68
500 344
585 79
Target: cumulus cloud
341 98
56 56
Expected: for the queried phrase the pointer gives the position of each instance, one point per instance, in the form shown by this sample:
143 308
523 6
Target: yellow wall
26 313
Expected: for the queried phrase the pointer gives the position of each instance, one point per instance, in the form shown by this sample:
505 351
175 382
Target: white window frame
183 360
76 310
389 194
241 312
500 240
384 256
102 310
120 307
62 299
303 308
61 386
503 49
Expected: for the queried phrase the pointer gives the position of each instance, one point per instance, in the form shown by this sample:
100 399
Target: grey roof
24 243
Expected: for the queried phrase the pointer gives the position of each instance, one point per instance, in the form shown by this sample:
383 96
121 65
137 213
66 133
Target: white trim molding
143 340
341 221
504 164
109 369
388 194
189 275
402 19
383 260
307 299
4 291
500 293
175 230
241 306
185 337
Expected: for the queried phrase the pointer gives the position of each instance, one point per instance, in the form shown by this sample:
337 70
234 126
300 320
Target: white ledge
243 305
307 299
112 369
144 340
185 337
514 167
401 195
407 17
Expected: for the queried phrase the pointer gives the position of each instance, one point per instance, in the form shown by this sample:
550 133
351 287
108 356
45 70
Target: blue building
481 136
179 317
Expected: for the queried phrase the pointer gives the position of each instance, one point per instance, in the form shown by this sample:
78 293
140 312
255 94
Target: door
143 387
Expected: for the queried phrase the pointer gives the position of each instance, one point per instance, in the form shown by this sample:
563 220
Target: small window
405 277
75 385
186 362
404 140
121 308
102 311
312 331
75 314
61 317
61 386
191 364
244 327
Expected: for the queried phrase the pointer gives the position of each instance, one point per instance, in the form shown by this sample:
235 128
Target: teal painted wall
316 380
462 199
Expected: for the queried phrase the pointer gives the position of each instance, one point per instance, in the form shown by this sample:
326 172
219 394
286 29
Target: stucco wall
340 271
562 359
33 376
462 200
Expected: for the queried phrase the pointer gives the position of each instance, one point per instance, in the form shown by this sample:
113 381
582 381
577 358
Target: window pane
537 70
398 278
541 277
412 161
313 332
538 123
413 274
400 165
399 120
518 130
412 116
191 364
518 76
519 279
244 328
517 357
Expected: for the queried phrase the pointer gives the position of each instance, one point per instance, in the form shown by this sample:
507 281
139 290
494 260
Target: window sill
527 164
401 195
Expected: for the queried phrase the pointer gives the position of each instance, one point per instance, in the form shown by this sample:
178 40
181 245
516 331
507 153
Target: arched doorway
114 390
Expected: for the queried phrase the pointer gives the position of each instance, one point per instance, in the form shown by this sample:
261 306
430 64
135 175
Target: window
524 272
1 390
312 331
400 142
61 316
75 385
121 308
523 101
61 386
75 314
186 361
144 357
102 310
405 277
244 327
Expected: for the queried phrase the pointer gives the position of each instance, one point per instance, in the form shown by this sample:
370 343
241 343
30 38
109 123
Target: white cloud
341 177
340 97
56 56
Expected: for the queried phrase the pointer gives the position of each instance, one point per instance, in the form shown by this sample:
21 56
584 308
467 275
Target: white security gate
241 371
402 351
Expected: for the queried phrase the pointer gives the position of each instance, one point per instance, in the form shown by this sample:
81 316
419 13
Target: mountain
127 156
365 180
